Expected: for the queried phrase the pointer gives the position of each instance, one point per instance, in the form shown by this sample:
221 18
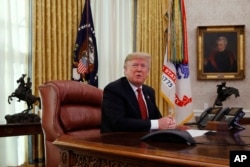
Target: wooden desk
20 129
126 149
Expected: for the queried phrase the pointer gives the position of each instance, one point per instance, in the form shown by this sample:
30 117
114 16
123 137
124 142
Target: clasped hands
167 122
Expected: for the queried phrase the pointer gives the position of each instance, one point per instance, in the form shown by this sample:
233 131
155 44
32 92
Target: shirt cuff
154 125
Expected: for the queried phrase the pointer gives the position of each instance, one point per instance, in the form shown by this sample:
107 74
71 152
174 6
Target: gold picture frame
215 63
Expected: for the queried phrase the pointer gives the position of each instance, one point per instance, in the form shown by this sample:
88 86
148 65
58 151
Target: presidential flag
175 85
85 58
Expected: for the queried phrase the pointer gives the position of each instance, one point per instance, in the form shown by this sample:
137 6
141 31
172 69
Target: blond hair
138 55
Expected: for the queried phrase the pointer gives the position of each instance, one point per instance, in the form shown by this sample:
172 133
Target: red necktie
142 104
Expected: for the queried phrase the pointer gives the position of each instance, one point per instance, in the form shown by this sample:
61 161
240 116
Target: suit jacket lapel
148 101
132 97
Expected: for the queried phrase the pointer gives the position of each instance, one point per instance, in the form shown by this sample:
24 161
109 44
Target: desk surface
213 150
19 129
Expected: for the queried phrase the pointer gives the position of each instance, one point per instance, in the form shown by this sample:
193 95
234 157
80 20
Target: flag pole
88 23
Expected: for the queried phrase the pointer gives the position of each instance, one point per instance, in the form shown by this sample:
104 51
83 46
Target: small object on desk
217 125
170 135
197 132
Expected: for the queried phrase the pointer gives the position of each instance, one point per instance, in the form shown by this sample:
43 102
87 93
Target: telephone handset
232 117
209 115
219 115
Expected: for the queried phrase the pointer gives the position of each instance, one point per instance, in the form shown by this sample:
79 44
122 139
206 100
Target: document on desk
196 133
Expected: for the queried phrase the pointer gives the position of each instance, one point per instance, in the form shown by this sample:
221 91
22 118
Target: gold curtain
151 38
54 30
54 33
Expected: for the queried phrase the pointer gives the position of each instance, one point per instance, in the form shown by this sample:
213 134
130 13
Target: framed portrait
221 52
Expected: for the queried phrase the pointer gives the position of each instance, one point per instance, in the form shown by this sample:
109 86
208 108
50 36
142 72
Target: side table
21 129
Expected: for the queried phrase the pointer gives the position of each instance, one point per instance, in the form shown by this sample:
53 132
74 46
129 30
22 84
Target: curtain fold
151 38
54 32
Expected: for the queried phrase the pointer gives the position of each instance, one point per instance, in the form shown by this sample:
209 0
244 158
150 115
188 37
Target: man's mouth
138 75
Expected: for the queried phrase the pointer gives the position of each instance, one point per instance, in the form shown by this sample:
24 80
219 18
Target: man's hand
167 123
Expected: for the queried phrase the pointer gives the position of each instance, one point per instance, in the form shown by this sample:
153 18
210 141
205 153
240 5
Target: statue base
23 118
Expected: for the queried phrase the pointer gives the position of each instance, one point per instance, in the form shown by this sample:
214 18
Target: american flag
82 66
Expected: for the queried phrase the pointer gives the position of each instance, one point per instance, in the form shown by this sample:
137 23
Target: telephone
229 115
210 114
232 117
170 135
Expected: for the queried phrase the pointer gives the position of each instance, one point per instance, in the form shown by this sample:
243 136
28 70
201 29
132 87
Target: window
14 39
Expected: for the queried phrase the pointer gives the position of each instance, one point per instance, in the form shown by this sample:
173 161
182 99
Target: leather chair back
68 108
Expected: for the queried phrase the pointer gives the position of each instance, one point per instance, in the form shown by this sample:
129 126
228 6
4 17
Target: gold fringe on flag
177 40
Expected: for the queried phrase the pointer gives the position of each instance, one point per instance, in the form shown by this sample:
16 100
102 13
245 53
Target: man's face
221 46
136 71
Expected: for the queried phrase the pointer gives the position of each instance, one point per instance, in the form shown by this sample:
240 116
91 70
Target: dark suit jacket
120 109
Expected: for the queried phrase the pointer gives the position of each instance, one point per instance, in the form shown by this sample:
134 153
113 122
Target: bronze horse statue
223 92
24 93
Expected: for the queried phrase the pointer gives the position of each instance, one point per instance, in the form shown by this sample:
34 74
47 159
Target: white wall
219 12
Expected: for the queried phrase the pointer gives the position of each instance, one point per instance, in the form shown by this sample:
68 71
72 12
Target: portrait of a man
220 52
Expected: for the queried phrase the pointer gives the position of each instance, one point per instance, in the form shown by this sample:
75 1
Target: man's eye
135 65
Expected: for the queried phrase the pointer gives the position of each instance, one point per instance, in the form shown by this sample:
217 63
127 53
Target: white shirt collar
134 87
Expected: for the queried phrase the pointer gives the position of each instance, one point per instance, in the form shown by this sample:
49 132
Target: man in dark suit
120 108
